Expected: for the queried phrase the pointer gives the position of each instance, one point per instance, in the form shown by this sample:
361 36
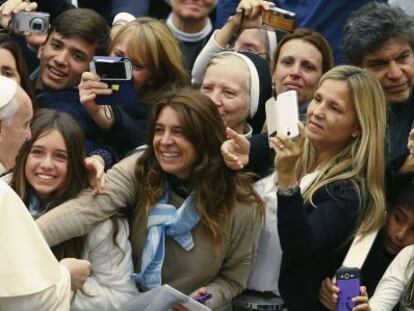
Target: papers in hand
162 299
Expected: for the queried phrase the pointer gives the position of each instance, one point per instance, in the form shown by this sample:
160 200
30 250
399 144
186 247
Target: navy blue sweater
313 240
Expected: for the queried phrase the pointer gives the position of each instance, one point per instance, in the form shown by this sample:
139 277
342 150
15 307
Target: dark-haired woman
195 222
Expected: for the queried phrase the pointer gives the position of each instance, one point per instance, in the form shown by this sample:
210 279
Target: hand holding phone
117 73
111 68
203 298
348 281
282 115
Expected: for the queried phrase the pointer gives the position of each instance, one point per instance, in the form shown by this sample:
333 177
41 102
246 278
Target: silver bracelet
289 191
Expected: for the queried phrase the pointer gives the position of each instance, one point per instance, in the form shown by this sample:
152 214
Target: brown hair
44 121
153 45
7 43
85 24
217 189
312 37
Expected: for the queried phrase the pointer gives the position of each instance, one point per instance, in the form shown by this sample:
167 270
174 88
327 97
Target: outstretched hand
95 166
235 150
252 13
79 270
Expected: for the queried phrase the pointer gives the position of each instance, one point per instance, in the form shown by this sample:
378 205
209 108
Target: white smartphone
282 115
111 68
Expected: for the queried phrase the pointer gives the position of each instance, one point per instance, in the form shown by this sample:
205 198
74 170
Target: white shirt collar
189 37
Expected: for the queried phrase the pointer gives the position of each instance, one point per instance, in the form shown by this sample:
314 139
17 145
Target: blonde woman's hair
362 160
153 45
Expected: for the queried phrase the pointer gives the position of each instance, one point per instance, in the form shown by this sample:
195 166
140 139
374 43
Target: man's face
393 66
14 134
192 9
62 62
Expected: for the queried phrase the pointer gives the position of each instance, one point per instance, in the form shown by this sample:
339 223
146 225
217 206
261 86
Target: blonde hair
362 160
153 45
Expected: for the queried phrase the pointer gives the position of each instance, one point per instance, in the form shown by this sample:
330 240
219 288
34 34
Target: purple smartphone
347 279
203 298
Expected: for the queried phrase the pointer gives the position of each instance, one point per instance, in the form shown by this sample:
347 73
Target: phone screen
111 70
348 282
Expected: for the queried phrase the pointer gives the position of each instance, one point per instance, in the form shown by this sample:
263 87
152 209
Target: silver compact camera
30 22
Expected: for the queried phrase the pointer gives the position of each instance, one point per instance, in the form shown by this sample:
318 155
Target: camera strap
239 30
359 250
7 29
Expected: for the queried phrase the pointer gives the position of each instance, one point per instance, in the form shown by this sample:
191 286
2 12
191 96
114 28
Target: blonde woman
157 69
329 181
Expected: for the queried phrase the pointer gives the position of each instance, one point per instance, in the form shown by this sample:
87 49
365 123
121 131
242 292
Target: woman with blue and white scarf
195 222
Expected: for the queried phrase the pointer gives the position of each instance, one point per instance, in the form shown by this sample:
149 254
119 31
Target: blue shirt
324 16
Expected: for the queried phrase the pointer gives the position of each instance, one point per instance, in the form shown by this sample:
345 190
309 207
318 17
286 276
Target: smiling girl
49 171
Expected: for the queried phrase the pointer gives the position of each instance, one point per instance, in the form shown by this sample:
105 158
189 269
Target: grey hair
8 111
371 26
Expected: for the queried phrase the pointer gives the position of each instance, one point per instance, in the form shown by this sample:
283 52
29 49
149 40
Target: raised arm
222 37
78 216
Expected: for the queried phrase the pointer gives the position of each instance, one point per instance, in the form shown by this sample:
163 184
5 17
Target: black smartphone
117 73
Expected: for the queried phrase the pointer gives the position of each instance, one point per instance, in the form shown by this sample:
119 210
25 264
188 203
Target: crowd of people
101 201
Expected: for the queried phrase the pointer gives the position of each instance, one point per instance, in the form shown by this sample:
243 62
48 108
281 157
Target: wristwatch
288 191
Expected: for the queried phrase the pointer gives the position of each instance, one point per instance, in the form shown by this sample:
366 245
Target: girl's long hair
45 121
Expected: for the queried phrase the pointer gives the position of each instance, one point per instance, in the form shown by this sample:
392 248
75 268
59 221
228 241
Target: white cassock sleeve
30 276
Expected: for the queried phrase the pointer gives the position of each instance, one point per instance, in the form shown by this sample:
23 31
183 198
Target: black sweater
313 239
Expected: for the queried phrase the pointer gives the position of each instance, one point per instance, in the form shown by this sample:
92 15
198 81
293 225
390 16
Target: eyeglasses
261 54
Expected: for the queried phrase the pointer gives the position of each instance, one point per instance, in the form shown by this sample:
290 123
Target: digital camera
279 19
30 22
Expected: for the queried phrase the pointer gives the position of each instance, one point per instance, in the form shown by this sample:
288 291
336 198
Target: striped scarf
165 219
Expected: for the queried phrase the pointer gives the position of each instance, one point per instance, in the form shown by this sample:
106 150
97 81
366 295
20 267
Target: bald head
15 117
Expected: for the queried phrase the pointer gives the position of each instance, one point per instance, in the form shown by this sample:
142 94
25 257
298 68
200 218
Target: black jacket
313 240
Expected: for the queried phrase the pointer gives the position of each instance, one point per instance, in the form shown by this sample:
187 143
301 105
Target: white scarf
189 37
266 267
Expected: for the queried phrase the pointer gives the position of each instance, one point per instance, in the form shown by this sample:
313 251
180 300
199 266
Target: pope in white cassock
30 276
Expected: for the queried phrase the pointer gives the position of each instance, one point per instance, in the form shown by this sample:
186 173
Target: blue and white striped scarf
165 219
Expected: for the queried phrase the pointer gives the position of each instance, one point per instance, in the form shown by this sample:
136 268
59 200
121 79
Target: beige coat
224 272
